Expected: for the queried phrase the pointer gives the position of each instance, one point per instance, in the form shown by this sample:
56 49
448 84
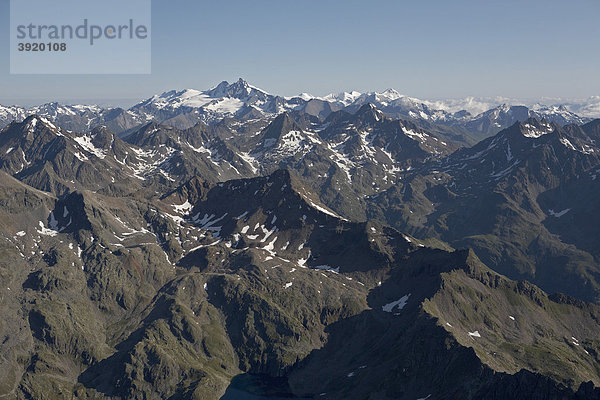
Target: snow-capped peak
346 98
391 94
306 96
224 98
239 90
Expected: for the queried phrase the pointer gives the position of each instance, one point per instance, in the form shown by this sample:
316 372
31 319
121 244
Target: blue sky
424 48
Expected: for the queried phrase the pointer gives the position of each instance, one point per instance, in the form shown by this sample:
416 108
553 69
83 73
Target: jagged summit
239 89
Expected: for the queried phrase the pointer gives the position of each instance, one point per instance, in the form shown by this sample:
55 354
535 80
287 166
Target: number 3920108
39 47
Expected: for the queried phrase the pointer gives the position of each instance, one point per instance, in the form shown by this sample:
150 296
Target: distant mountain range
242 101
231 243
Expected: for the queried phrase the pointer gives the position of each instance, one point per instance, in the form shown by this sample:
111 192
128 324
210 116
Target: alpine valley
233 244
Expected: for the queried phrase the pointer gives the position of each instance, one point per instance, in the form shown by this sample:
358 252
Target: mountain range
242 101
233 244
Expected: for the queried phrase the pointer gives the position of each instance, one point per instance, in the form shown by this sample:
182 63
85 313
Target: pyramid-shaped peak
369 113
392 94
368 107
35 122
281 125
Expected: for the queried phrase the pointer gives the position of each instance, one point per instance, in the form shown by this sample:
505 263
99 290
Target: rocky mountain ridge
356 256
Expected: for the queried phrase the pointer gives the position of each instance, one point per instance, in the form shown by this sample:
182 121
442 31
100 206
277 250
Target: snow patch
183 208
399 304
534 132
327 268
560 213
86 143
45 231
